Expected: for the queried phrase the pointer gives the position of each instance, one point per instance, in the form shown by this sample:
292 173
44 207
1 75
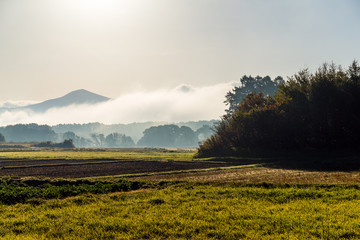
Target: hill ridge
76 97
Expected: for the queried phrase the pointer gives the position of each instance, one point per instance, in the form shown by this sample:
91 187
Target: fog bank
183 103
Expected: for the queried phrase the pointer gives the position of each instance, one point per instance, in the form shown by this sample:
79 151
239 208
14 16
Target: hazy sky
183 103
112 47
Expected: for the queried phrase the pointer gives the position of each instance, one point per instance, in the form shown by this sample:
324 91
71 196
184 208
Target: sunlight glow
101 7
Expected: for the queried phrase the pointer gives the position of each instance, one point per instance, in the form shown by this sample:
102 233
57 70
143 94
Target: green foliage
2 138
310 111
324 107
249 85
16 191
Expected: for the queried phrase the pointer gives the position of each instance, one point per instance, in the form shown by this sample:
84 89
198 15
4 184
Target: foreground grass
193 211
34 191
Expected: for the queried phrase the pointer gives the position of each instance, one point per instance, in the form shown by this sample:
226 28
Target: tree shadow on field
326 161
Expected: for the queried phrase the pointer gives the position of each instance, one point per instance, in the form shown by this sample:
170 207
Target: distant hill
80 96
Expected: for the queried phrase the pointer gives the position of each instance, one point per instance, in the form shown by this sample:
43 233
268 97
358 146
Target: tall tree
249 84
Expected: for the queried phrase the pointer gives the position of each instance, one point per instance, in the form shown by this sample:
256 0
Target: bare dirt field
92 167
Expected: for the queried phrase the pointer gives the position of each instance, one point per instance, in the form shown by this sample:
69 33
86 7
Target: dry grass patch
263 174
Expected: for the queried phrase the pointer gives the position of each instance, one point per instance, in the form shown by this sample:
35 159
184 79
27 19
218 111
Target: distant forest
97 135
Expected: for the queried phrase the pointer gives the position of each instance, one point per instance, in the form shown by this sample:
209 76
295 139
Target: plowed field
77 168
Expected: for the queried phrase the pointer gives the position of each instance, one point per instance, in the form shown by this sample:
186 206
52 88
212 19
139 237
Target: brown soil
78 168
91 168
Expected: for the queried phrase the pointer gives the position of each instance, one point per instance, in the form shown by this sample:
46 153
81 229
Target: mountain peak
85 94
80 96
79 91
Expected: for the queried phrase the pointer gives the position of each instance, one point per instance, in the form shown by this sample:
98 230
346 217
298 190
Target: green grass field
108 207
192 211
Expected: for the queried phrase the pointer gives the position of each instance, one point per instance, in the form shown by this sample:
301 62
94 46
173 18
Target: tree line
169 135
319 111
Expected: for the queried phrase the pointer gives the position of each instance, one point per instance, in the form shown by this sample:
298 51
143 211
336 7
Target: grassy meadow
254 199
188 210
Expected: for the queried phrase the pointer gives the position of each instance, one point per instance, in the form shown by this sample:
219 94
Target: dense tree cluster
156 136
248 85
168 136
309 111
134 130
28 133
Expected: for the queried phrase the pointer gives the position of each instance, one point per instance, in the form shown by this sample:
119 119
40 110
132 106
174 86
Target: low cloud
15 104
184 103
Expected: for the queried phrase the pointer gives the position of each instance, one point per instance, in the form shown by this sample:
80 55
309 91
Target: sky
120 48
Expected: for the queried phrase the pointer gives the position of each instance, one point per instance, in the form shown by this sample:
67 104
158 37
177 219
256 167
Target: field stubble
262 174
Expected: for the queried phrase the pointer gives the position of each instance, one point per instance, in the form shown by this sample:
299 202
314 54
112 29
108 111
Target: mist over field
183 103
